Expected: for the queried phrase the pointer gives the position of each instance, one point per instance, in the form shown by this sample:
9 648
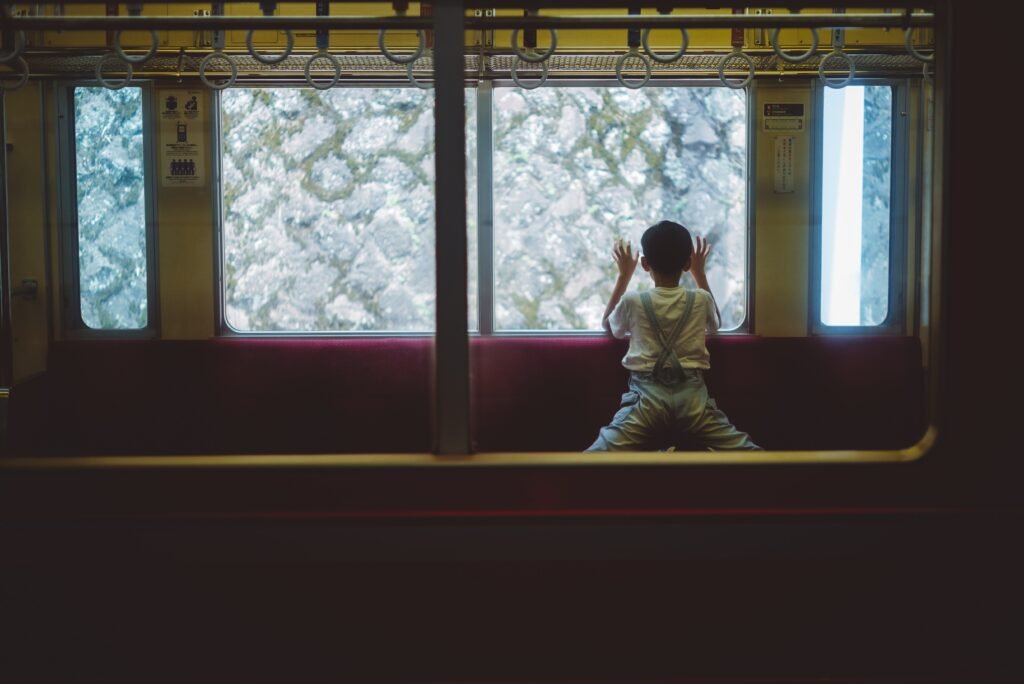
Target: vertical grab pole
737 37
451 342
110 9
217 10
633 34
7 35
530 35
427 10
323 38
6 339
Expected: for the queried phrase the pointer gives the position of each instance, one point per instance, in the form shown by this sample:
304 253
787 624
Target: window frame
73 325
484 105
744 328
899 197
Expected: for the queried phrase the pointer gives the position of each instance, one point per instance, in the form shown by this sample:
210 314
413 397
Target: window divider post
451 342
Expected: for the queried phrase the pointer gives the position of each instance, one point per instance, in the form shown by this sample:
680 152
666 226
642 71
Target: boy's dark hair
667 247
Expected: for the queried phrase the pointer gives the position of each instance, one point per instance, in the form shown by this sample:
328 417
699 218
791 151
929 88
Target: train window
328 209
859 202
107 205
581 166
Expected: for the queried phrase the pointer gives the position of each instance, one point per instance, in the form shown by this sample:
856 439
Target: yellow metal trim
503 459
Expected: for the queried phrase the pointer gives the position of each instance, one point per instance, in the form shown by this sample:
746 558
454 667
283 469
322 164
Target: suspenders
674 372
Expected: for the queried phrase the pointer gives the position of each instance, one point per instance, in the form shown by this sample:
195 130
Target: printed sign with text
182 130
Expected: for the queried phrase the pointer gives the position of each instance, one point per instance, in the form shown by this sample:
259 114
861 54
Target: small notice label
784 163
182 129
784 116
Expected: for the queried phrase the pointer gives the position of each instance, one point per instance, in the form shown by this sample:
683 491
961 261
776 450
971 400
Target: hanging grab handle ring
837 82
632 52
409 71
22 66
113 84
401 7
268 11
536 84
645 40
19 39
534 56
665 59
15 53
737 53
908 42
335 64
531 54
421 43
135 9
154 43
218 53
620 63
797 58
205 63
271 59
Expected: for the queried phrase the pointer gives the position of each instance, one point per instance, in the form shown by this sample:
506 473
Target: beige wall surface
781 221
185 244
29 211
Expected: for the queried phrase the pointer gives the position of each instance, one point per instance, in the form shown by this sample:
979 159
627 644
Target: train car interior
241 227
302 297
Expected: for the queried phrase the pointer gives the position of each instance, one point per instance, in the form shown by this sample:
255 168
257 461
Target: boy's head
667 247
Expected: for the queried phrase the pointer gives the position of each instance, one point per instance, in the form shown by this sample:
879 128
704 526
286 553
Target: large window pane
111 201
328 209
856 187
576 168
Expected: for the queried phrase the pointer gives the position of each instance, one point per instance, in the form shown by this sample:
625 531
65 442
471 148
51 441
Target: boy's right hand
625 259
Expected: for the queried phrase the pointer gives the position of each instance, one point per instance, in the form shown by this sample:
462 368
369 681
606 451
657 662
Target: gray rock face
576 168
329 205
328 209
328 201
111 208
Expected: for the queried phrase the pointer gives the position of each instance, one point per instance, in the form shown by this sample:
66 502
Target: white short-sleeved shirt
628 318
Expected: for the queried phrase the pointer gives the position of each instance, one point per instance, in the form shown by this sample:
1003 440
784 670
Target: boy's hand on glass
625 259
698 261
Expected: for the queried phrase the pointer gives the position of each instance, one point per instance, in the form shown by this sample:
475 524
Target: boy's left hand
700 257
625 259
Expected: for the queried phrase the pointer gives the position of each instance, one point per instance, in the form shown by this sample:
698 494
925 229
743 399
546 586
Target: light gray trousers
651 408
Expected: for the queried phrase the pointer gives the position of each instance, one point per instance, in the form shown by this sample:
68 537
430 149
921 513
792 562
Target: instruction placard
783 116
182 130
783 172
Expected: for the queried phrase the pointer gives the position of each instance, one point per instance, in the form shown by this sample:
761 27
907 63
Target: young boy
667 356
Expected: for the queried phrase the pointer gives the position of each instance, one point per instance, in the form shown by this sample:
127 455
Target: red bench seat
359 395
